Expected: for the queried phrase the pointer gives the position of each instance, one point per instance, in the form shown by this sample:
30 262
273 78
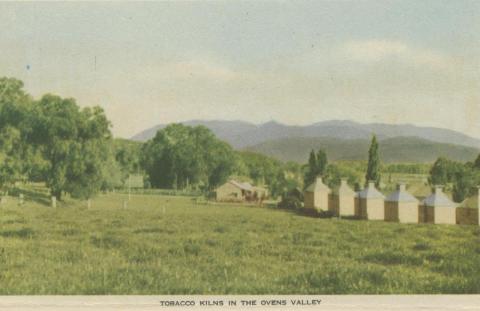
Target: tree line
72 150
182 157
462 179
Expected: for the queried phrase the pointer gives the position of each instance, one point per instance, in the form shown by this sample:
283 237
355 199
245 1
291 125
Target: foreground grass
169 245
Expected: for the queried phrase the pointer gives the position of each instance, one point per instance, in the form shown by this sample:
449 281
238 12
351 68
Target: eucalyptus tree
182 156
16 155
75 142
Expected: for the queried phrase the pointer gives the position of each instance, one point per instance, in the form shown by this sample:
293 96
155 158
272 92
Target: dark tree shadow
37 197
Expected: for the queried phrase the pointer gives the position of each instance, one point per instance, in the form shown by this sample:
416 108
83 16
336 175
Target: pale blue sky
295 62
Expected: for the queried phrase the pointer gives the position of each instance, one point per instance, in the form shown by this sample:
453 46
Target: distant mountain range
342 140
397 149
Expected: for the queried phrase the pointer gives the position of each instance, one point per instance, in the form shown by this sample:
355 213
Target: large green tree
17 156
75 143
10 162
442 171
459 178
182 156
463 183
373 167
128 157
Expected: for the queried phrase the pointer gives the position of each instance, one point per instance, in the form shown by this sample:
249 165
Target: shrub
290 203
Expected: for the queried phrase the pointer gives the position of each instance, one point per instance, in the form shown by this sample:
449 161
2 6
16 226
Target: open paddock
170 245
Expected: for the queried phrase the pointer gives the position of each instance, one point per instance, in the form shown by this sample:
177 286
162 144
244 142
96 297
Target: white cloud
389 50
373 50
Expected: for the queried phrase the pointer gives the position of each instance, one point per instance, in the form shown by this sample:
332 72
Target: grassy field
169 245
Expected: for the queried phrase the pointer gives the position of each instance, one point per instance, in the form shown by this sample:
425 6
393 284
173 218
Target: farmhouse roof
438 198
244 186
401 195
370 192
317 186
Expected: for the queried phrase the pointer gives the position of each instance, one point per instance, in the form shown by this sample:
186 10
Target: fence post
129 187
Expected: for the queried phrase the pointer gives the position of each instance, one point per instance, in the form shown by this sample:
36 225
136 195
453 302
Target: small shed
438 208
371 203
345 200
401 206
316 196
233 191
468 213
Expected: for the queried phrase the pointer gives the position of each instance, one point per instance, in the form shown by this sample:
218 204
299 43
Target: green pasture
173 245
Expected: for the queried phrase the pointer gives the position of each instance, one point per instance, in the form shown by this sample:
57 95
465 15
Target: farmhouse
235 191
401 206
371 203
438 208
316 196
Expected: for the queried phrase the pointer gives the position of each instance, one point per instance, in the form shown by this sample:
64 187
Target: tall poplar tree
322 163
317 166
311 168
373 169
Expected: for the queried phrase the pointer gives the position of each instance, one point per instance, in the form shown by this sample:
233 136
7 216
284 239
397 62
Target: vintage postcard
240 155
